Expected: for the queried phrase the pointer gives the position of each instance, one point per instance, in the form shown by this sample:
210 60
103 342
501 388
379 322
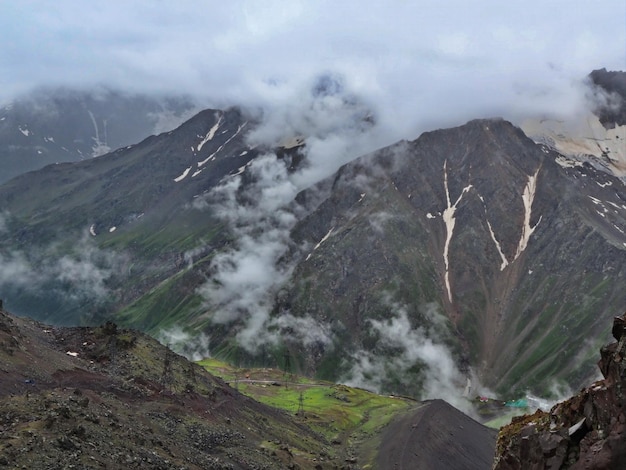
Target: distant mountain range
468 255
65 125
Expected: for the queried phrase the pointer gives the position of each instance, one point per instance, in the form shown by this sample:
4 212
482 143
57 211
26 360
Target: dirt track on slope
436 436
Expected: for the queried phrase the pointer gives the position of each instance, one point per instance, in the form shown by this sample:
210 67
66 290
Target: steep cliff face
585 432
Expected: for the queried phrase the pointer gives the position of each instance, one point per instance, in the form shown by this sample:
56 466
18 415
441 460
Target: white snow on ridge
240 170
527 197
324 238
615 205
112 229
567 163
212 156
92 230
24 131
178 179
210 134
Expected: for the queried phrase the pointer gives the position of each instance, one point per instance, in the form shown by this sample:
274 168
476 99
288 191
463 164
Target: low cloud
79 275
16 270
244 279
194 347
415 65
166 120
4 218
413 357
86 269
260 209
379 220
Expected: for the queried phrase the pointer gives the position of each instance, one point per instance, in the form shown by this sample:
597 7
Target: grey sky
436 61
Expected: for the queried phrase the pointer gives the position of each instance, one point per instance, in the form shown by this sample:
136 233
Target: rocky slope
583 432
106 397
477 223
122 222
436 435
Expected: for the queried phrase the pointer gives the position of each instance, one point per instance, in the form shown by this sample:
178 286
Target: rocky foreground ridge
588 431
107 397
112 398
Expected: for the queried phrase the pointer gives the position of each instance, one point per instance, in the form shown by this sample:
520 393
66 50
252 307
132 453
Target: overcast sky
411 61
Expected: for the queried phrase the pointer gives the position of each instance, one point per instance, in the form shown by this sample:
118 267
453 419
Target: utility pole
300 411
166 376
113 354
286 364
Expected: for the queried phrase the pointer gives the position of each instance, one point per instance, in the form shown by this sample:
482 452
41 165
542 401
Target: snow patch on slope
178 179
211 133
505 262
448 218
528 197
212 156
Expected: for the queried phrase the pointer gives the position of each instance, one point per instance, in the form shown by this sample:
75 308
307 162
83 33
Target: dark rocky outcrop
614 84
585 432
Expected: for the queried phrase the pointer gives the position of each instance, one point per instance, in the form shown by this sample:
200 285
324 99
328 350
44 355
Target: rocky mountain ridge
479 221
584 432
